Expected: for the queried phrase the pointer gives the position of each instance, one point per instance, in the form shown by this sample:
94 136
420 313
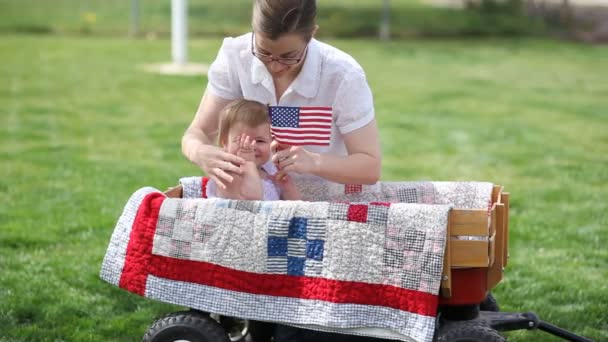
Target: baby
244 130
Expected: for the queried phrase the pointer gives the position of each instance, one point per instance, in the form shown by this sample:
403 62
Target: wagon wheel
261 331
245 330
236 328
186 326
489 304
467 332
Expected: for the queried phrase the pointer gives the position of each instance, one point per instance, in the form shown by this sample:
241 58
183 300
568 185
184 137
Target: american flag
300 126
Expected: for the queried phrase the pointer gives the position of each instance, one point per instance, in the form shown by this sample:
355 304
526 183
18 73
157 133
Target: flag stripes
300 126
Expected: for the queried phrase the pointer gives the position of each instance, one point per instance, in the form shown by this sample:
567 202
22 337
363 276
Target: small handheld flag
301 126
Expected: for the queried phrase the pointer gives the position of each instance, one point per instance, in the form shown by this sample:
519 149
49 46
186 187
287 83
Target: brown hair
247 112
273 18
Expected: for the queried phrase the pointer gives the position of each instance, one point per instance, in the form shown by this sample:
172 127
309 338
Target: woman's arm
363 163
198 142
361 166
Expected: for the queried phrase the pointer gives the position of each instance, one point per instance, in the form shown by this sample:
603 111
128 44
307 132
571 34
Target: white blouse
329 78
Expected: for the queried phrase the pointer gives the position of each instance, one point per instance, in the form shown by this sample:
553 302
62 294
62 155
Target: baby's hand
244 147
282 180
289 191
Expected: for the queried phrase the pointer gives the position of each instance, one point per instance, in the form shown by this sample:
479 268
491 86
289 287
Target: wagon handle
559 332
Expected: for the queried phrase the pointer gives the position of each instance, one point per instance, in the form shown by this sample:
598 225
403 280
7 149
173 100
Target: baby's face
261 135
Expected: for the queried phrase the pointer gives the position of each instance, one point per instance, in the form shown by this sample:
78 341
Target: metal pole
134 18
179 31
385 24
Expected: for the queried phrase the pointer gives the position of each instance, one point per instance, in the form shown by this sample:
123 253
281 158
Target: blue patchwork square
295 246
314 249
277 246
295 266
297 228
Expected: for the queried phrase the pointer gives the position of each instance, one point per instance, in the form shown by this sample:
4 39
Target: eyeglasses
268 58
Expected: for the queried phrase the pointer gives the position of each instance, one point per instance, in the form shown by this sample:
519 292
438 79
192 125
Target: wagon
474 260
476 256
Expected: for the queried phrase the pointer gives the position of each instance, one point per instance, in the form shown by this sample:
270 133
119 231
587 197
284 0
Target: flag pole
179 32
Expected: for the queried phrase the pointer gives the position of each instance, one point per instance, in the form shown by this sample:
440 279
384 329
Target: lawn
337 18
82 127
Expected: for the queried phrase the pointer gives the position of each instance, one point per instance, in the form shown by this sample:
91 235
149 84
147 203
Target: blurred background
583 20
513 92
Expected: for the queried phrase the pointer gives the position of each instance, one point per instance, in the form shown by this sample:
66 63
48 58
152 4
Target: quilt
370 268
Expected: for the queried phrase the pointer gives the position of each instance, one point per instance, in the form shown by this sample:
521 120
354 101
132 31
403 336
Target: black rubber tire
489 304
188 326
467 332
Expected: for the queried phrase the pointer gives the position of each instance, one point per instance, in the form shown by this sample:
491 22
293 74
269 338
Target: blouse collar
306 82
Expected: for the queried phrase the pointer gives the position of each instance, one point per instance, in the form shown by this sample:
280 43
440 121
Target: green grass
81 128
337 18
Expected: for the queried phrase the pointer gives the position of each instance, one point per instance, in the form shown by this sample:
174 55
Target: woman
280 63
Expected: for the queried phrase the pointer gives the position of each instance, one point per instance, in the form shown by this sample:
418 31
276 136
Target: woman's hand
294 159
218 164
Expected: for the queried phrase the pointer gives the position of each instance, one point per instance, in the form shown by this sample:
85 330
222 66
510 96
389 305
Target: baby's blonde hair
247 112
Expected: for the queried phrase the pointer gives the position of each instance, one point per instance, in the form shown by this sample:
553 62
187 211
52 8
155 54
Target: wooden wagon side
476 251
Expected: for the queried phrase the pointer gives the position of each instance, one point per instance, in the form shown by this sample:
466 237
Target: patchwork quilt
357 261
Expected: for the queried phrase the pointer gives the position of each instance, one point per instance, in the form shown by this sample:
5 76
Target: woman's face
289 46
261 135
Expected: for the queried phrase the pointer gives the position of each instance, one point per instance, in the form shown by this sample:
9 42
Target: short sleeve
223 77
353 107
